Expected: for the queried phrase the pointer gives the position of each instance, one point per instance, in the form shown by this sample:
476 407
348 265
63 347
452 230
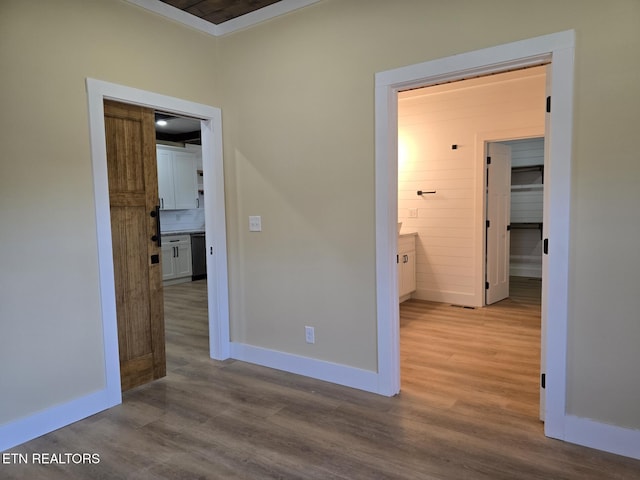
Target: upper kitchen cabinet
177 183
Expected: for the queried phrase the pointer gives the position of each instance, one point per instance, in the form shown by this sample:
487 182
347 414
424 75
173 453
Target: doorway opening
556 50
454 196
181 190
523 248
210 119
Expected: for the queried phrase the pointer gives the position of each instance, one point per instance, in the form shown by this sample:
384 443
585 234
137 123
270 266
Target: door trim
557 48
215 224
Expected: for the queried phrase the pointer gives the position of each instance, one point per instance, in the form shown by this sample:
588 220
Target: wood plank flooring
468 410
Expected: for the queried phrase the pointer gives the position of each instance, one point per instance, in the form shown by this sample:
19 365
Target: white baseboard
176 281
453 298
404 298
319 369
602 436
22 430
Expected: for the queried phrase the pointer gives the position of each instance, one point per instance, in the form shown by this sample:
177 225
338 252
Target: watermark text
50 458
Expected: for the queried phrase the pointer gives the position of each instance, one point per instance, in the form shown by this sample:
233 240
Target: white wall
449 223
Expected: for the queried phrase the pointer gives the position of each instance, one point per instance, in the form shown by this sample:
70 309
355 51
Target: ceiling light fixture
161 123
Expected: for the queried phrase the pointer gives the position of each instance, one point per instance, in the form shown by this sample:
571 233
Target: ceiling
215 17
219 11
219 17
177 129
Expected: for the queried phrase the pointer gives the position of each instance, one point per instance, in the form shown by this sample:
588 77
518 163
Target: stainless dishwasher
198 257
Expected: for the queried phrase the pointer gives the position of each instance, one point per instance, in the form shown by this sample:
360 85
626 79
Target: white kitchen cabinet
176 258
177 183
166 191
406 266
197 151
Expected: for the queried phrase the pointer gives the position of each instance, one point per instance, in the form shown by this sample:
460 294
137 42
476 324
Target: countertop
180 232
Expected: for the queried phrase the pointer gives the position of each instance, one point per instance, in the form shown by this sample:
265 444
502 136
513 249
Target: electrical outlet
310 334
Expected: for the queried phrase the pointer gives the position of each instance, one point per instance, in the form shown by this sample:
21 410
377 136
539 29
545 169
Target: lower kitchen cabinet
176 258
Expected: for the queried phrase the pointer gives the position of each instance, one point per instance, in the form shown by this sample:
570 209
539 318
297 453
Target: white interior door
545 257
498 219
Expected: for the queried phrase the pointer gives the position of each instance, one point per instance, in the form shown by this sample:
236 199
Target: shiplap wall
526 206
449 263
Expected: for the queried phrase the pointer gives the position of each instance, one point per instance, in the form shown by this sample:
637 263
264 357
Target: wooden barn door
133 197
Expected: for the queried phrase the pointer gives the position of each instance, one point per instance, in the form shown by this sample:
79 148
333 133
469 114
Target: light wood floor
467 410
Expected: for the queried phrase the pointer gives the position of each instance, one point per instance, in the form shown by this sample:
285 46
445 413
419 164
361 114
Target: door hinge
397 258
486 285
508 228
545 246
488 160
543 380
549 104
488 223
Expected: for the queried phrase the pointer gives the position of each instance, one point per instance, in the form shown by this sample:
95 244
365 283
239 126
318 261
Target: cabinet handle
162 203
405 259
197 203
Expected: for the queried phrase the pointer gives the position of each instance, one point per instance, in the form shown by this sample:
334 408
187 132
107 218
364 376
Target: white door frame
557 48
215 225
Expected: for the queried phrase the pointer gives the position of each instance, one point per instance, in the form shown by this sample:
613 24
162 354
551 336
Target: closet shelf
528 168
534 187
527 226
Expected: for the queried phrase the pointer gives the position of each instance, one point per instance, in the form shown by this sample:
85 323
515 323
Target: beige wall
297 99
299 139
51 341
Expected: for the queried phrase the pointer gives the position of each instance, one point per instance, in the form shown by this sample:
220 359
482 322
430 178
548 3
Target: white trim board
310 367
25 429
266 13
215 234
556 48
601 436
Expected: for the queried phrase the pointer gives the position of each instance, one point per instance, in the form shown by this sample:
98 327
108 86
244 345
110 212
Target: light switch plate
255 223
